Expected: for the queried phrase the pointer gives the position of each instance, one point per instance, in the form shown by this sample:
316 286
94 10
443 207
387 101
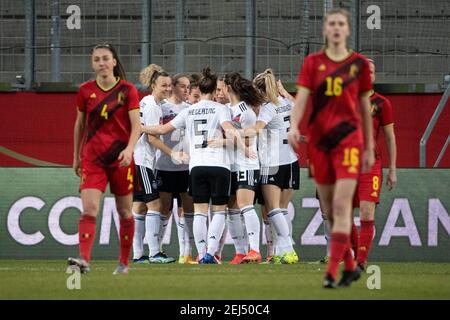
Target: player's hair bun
208 82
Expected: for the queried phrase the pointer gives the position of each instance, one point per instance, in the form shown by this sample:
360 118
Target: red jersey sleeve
365 82
387 116
133 98
305 77
81 102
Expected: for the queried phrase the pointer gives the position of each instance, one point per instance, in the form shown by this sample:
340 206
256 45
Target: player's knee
124 212
340 207
154 205
90 209
366 212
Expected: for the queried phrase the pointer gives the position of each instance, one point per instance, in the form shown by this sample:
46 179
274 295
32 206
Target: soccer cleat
208 259
275 260
161 258
349 276
121 269
181 260
252 257
238 257
324 260
80 263
189 260
289 258
143 259
329 282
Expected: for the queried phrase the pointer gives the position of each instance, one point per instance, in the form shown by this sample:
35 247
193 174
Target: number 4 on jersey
104 112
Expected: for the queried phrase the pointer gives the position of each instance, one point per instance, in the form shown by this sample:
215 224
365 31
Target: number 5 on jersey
202 133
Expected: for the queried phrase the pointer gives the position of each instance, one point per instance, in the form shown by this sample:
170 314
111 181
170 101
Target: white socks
180 231
188 233
222 241
215 231
152 229
237 230
162 229
139 233
200 231
284 243
288 221
252 226
269 237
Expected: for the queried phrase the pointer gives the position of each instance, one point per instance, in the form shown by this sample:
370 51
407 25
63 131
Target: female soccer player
220 95
147 205
106 130
367 195
279 164
194 91
337 79
173 177
245 171
209 167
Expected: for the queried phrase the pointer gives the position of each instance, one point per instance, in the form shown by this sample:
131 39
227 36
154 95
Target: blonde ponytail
267 84
146 75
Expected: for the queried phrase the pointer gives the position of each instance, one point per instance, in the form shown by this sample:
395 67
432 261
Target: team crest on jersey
121 98
169 117
352 169
322 67
373 109
93 96
374 194
353 70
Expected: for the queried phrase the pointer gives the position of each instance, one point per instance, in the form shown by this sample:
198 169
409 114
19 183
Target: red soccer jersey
381 110
108 125
335 88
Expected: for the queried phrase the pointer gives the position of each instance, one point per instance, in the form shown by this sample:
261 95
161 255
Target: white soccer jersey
151 114
243 117
273 146
174 140
202 122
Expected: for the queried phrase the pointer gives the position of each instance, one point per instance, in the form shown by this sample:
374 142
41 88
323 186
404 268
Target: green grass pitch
37 279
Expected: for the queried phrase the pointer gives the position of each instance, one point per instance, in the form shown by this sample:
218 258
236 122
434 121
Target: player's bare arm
126 156
234 135
368 158
294 136
389 136
77 138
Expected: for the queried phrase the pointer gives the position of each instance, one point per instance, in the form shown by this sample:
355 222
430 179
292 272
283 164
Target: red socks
349 260
86 235
365 240
339 244
354 239
126 234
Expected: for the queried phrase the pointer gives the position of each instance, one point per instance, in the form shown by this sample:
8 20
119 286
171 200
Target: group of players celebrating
218 146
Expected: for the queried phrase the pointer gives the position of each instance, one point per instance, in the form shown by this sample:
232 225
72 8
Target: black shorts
176 196
259 198
210 183
286 176
145 186
172 181
246 179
